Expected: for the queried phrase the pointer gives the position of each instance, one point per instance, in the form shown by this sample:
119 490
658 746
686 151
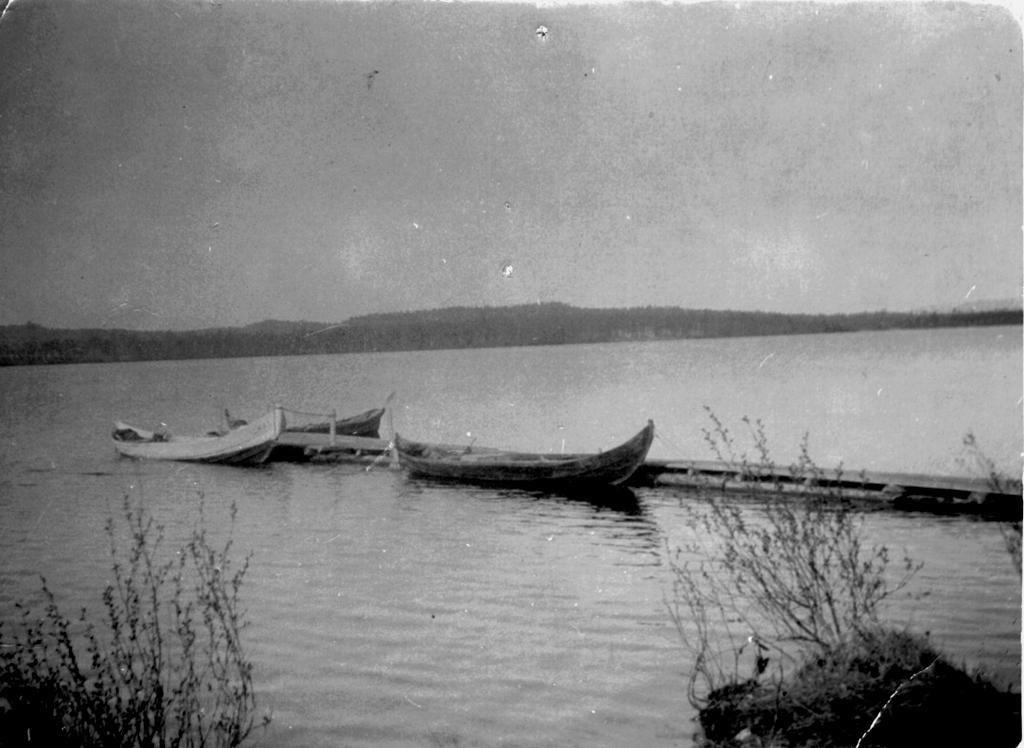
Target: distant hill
455 327
278 327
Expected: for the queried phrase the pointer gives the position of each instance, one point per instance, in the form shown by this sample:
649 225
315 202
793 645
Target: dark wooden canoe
365 424
494 466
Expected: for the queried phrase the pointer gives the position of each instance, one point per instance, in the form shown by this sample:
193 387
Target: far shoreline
456 328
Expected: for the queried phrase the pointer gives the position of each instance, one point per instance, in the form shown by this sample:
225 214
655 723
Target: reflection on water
616 498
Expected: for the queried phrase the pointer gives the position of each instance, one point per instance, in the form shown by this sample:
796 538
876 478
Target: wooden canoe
246 445
494 466
363 424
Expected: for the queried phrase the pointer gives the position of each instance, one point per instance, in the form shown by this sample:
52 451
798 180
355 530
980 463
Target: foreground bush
795 575
977 462
165 667
781 616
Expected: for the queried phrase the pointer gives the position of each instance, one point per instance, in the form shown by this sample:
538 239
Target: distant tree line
456 327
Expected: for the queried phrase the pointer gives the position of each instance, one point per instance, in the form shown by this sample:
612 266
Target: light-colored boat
250 444
495 466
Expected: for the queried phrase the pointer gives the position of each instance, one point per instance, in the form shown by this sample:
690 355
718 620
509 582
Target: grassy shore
886 689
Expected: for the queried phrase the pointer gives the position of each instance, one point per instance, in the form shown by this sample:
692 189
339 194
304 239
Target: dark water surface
387 611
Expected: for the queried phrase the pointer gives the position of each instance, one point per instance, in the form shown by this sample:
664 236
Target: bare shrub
975 460
795 577
165 667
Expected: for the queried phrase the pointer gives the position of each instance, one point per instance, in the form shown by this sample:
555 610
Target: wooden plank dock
300 446
910 491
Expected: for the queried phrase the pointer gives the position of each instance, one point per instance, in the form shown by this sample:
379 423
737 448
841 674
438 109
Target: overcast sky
170 164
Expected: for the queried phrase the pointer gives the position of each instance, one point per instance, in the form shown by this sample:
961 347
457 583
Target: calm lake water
386 611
